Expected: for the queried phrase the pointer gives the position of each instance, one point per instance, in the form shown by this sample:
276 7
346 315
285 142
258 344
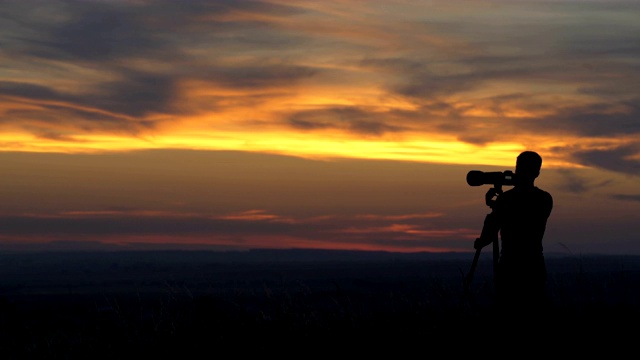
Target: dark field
182 305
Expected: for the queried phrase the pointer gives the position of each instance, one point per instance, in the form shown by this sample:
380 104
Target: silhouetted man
520 216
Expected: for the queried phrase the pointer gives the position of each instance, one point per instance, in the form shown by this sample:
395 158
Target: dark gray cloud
573 183
51 121
613 111
351 119
255 76
429 86
421 78
595 120
603 38
109 37
90 31
626 197
57 108
617 159
512 47
103 31
136 94
31 91
110 106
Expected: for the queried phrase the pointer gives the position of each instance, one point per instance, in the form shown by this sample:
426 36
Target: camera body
496 178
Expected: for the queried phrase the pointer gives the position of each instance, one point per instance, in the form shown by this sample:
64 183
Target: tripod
487 232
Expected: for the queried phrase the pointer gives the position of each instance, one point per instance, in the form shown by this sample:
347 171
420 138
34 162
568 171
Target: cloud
138 222
109 66
105 31
574 183
506 73
449 97
623 159
350 119
255 215
118 105
98 31
31 91
137 94
410 231
600 119
254 75
401 217
48 134
626 197
415 77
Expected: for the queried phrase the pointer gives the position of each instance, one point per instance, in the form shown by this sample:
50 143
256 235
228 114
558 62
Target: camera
496 178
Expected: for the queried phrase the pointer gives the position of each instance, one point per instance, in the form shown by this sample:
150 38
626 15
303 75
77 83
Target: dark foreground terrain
179 305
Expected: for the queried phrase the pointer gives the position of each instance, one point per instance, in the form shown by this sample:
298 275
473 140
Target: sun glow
317 146
264 120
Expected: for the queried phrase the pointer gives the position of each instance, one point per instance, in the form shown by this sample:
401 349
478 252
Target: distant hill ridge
269 255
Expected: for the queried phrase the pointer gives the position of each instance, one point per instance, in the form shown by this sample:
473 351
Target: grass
303 309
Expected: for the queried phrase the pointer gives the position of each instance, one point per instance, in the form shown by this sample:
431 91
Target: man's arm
489 232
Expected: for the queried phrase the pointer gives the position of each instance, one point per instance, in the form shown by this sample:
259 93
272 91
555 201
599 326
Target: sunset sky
230 124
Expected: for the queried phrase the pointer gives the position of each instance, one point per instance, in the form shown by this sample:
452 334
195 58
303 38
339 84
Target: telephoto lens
479 178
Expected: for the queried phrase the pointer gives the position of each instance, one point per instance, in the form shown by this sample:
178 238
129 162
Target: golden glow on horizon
252 121
315 145
217 117
248 98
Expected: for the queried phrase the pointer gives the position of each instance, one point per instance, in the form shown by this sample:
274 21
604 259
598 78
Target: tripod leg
469 276
496 256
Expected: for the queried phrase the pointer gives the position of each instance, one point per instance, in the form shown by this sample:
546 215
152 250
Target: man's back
523 213
521 276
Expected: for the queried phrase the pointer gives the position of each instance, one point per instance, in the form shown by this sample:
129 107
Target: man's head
528 166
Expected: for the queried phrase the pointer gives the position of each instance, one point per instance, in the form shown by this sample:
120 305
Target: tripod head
496 178
491 196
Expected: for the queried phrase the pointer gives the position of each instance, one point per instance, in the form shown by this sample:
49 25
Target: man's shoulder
520 193
545 197
542 192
